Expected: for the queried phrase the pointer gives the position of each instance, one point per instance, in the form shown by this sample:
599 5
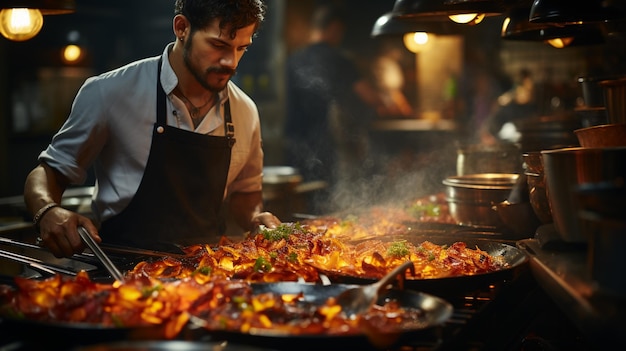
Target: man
169 137
329 106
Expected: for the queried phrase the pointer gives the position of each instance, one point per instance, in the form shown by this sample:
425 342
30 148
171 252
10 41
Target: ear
180 26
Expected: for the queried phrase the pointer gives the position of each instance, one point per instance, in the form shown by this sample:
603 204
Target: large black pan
515 259
36 335
65 336
436 312
170 345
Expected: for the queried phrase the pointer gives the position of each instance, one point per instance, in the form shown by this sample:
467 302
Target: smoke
391 177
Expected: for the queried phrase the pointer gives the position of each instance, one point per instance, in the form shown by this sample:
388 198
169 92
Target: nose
229 59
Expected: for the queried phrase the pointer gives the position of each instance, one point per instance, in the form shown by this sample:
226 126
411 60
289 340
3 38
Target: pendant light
392 24
567 11
460 11
517 27
21 20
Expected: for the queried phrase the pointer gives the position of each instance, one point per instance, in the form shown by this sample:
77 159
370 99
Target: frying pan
65 335
169 345
436 312
515 259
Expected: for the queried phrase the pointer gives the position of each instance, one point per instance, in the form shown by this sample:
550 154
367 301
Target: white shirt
110 128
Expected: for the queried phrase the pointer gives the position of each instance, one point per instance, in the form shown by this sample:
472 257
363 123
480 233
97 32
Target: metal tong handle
93 245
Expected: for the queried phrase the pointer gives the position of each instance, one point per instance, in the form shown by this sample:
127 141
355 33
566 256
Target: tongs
95 248
355 301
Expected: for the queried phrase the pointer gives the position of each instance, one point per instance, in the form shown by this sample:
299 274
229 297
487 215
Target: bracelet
42 211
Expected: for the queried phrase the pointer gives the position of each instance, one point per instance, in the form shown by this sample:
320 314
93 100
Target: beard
202 76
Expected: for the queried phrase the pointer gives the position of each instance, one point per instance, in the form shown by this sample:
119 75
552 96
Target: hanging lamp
567 11
460 11
517 27
21 20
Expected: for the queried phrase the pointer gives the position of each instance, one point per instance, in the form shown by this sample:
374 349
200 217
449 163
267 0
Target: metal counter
562 272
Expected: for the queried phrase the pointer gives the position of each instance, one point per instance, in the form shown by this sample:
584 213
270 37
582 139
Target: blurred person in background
481 85
329 107
515 105
389 79
170 138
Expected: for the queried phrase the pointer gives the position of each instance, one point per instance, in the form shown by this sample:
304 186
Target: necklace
193 109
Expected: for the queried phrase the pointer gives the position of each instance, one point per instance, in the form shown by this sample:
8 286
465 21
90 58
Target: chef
170 138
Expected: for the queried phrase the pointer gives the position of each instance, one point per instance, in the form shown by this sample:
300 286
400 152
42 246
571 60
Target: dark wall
113 32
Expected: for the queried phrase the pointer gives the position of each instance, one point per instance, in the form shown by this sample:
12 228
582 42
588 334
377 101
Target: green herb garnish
146 292
205 270
292 257
398 249
262 265
282 231
424 210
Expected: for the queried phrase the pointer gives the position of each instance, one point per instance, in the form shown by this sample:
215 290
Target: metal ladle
357 300
95 248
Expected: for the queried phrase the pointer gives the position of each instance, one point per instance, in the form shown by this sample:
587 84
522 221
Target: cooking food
270 256
139 302
274 313
374 258
295 252
209 283
213 303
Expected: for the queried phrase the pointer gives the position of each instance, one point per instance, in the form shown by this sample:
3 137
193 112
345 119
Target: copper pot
615 99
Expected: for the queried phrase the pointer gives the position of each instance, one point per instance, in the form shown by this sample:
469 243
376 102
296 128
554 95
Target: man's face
212 56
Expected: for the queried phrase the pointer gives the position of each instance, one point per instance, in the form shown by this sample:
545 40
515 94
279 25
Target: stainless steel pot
471 198
478 158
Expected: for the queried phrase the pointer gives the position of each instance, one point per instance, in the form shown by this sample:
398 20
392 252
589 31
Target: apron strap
229 127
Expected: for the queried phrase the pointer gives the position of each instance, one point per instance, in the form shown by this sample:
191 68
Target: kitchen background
37 86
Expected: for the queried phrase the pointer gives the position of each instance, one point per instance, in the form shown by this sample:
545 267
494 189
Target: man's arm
56 226
43 186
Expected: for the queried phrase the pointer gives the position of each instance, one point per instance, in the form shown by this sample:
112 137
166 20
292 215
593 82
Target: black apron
181 193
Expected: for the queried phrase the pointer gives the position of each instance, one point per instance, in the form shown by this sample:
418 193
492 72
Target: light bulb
463 17
415 41
71 53
20 24
560 43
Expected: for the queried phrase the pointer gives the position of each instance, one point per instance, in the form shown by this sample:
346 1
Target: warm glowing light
71 53
505 24
415 41
479 18
560 43
20 24
463 17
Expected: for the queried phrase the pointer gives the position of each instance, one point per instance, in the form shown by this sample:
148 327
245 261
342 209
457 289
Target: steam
385 179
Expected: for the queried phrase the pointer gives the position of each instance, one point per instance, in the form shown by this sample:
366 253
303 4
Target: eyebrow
227 43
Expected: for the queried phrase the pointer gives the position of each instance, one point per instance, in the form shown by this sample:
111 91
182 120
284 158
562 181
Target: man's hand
58 231
267 219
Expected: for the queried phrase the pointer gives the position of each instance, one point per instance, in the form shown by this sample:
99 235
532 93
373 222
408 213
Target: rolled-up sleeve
76 145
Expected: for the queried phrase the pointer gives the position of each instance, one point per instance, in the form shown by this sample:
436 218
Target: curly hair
234 14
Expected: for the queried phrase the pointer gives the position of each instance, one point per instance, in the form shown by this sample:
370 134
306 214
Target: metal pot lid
483 179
